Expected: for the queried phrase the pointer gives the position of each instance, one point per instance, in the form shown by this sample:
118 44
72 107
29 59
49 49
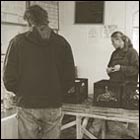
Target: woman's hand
109 70
113 69
116 68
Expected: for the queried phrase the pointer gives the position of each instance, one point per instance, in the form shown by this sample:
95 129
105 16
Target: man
39 69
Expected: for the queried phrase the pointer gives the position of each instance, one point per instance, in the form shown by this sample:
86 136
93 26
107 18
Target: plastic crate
130 97
80 94
107 93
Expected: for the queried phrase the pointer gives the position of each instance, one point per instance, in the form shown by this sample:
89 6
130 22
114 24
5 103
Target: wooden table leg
103 130
78 127
84 124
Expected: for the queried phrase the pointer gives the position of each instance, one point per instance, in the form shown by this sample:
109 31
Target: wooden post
103 130
84 124
78 127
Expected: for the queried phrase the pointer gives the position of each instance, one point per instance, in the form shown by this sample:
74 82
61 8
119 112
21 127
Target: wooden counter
86 111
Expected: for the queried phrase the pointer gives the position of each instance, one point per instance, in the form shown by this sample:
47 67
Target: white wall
92 53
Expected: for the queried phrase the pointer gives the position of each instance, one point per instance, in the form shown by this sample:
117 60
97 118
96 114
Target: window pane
136 38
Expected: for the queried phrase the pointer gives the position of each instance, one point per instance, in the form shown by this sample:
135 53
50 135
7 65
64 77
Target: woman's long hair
125 39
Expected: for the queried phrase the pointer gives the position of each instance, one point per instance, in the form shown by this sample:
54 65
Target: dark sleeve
69 68
10 70
110 62
133 67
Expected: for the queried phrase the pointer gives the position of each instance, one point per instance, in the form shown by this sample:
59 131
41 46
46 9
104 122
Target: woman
124 62
123 66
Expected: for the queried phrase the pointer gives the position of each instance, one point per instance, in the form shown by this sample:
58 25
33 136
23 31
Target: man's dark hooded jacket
38 71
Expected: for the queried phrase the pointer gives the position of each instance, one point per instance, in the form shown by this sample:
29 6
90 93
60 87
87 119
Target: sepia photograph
69 69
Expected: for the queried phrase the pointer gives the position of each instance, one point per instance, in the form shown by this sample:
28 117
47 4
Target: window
89 12
136 30
12 12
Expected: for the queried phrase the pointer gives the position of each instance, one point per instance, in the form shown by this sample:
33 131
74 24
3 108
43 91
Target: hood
34 37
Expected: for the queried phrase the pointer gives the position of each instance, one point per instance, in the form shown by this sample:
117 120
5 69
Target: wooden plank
70 124
84 108
78 127
86 132
103 130
121 114
116 114
84 124
105 117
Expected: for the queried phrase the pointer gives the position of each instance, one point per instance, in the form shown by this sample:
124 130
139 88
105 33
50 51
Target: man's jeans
39 123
